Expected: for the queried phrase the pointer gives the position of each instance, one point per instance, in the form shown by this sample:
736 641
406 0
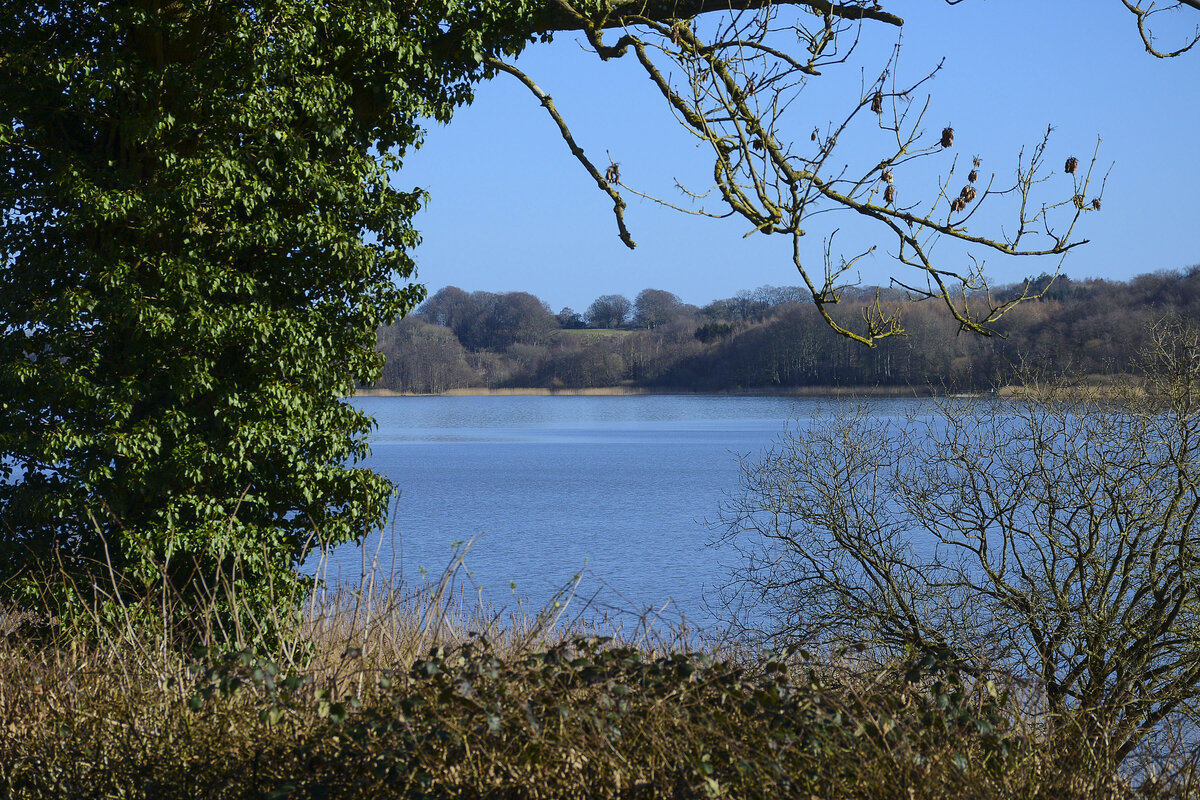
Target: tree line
770 337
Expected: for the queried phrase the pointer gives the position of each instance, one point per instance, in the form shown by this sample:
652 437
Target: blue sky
512 210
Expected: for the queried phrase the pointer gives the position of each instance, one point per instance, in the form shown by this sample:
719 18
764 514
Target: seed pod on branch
1095 204
1072 165
795 182
1078 201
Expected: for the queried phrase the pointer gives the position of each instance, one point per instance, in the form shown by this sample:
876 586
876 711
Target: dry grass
594 333
385 691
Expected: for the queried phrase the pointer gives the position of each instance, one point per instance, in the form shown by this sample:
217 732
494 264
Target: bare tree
1056 538
654 307
608 311
732 73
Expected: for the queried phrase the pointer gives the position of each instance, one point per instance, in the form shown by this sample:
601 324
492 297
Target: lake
622 490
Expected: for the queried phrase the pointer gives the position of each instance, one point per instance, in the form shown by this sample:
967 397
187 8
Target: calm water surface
618 489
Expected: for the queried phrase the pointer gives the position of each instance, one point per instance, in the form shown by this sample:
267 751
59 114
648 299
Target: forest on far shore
770 337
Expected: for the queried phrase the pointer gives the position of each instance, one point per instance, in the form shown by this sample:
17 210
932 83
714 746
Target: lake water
619 489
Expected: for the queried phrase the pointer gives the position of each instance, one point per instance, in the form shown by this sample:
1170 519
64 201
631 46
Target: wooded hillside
768 338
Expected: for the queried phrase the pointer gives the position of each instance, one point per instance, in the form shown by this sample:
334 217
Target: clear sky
512 210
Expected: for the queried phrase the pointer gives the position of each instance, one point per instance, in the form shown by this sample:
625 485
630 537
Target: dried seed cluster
947 136
1070 168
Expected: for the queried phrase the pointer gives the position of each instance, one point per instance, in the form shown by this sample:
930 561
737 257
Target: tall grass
387 690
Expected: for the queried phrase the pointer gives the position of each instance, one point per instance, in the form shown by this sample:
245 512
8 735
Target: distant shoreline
621 391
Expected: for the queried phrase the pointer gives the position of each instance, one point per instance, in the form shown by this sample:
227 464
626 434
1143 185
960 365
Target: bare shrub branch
1055 537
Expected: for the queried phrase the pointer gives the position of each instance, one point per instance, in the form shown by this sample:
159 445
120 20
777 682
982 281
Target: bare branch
561 17
1054 540
1144 14
733 79
733 93
577 151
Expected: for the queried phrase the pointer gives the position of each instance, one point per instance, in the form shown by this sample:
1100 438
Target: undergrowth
385 693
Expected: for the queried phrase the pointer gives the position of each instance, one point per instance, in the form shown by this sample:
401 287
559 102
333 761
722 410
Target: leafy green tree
199 240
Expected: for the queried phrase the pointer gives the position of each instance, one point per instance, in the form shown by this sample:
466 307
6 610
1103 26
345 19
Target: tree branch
1143 17
558 17
732 80
576 150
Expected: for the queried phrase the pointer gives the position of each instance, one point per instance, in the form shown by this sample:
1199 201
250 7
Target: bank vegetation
391 692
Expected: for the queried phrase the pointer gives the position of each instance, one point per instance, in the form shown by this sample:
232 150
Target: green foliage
714 331
199 239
